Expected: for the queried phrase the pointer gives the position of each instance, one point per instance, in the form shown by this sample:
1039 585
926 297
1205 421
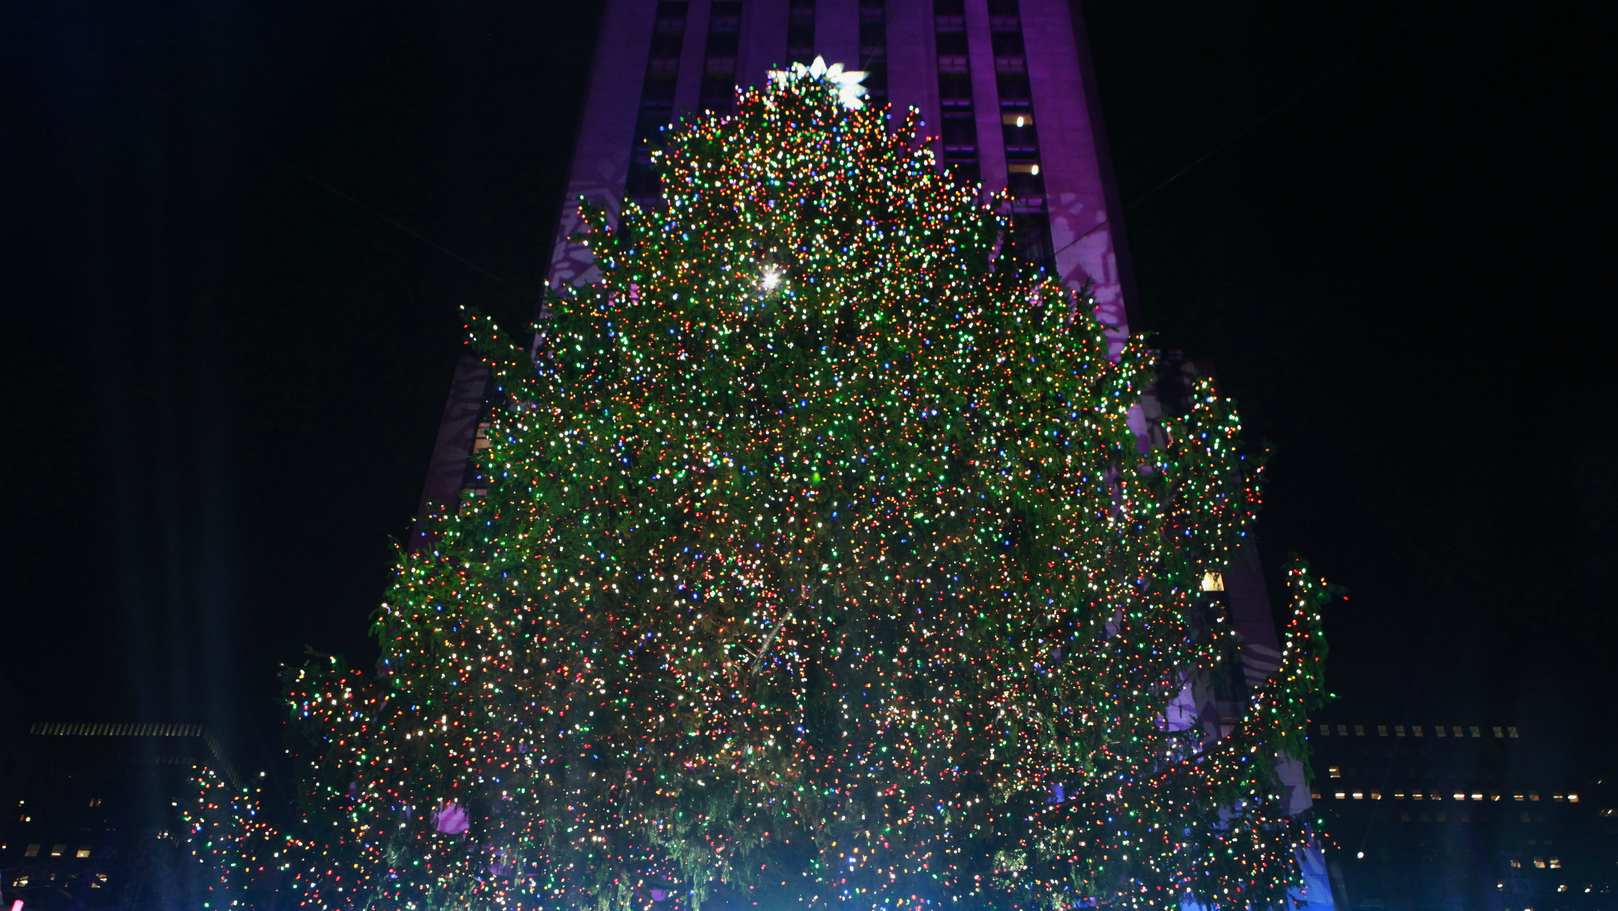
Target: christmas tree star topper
847 82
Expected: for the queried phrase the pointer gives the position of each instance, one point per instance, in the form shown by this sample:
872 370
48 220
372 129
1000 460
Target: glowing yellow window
84 851
1211 582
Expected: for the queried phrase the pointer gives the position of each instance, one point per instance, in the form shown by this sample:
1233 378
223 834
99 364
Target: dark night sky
223 378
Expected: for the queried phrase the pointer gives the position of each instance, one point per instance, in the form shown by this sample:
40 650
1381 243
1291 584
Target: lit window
1539 863
1325 730
1342 795
1381 730
1533 795
1359 795
1415 730
1398 795
1476 732
1556 863
20 881
1608 813
1335 771
1478 796
1516 865
1415 795
1459 796
1376 795
1556 797
32 851
1342 730
1511 732
1438 730
84 851
1398 730
1211 582
1359 730
1315 794
1516 797
1457 730
1572 798
100 880
57 850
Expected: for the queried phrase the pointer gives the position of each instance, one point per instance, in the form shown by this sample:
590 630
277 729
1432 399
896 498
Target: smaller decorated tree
819 565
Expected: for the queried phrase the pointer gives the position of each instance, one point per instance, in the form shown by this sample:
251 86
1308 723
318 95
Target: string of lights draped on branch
818 567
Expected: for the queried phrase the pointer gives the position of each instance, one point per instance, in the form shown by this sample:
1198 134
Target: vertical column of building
718 91
837 32
912 80
1030 222
606 131
764 41
800 31
1076 185
873 49
958 132
656 100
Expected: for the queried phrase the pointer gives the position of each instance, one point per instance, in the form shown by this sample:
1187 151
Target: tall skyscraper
1006 93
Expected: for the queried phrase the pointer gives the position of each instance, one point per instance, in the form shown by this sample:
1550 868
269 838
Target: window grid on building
1030 219
656 100
718 91
874 49
800 31
958 132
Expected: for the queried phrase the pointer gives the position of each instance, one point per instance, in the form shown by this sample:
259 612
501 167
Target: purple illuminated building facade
1005 89
1004 86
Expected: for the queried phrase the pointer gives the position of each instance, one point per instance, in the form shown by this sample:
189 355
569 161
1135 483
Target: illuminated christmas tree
818 567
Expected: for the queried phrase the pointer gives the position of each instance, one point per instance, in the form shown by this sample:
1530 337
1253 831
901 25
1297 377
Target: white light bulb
772 278
1019 121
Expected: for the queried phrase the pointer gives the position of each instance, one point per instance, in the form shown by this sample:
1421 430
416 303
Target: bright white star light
847 82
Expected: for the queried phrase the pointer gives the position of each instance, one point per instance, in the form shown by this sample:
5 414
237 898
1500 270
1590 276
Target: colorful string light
818 566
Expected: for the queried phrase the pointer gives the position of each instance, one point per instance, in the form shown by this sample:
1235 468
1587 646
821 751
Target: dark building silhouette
92 819
1451 816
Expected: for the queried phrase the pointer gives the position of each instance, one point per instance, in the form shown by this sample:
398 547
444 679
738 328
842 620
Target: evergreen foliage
819 564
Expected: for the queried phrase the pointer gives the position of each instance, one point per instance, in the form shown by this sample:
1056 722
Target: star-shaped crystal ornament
849 91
